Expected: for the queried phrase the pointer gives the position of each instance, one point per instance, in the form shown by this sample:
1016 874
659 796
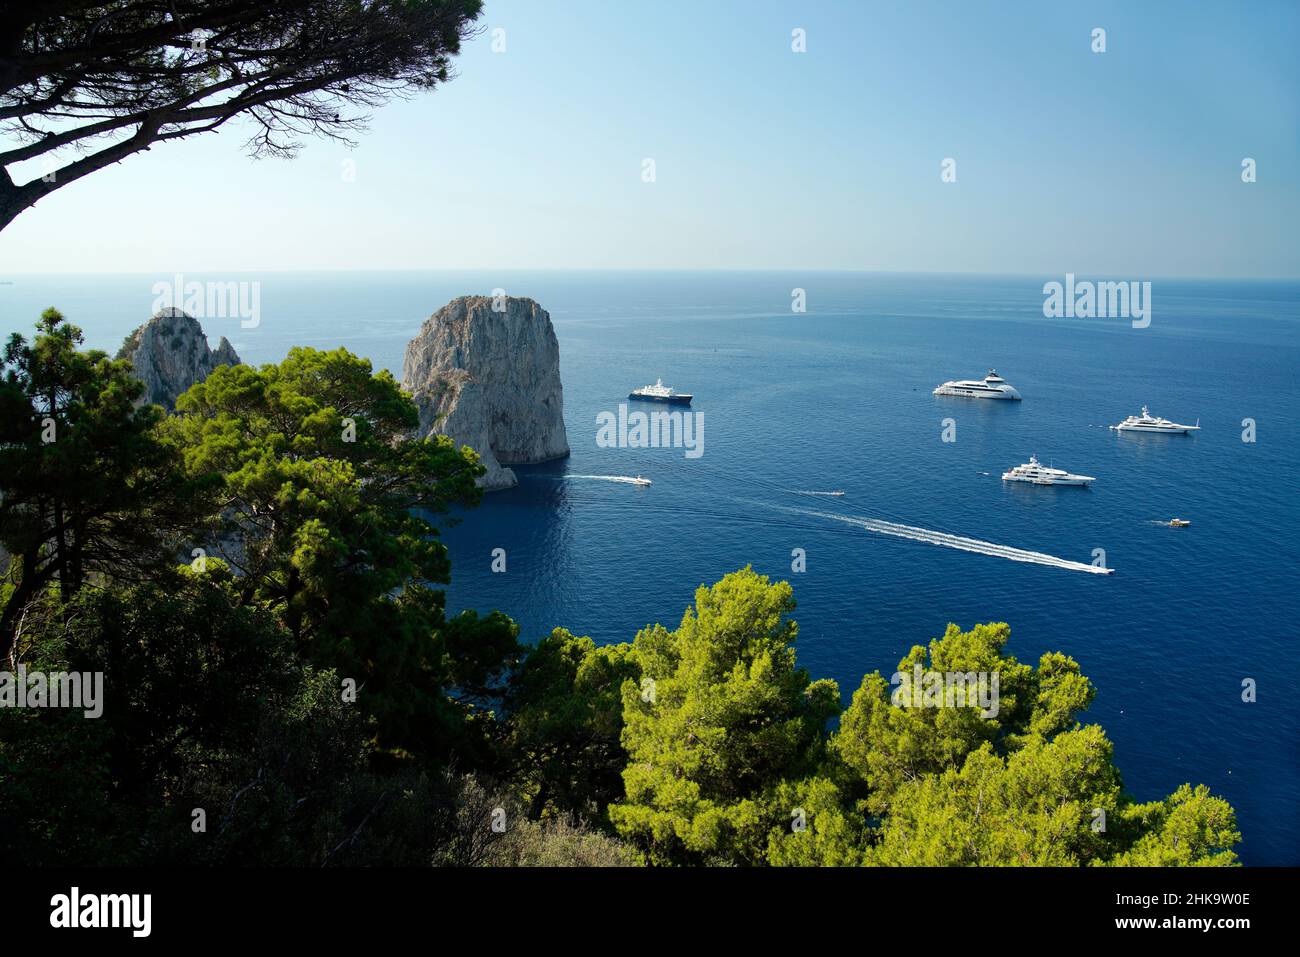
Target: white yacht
639 481
660 393
1036 473
1146 422
992 386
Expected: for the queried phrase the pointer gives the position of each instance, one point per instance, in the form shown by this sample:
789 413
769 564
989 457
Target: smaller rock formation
490 379
170 353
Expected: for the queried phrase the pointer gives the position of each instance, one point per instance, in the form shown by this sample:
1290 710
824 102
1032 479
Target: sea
1191 642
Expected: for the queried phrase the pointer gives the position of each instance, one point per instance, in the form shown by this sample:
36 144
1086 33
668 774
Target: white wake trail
953 541
629 479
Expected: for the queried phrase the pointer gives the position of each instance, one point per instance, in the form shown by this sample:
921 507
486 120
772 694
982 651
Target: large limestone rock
170 353
490 380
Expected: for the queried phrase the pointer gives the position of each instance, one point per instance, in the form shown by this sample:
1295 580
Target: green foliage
206 708
885 745
1034 808
729 717
833 835
86 487
326 496
730 764
565 723
190 681
1190 828
223 685
947 787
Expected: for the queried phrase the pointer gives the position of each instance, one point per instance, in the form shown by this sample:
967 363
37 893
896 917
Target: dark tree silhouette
93 83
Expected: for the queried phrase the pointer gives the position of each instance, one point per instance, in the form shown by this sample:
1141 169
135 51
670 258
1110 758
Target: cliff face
170 353
490 380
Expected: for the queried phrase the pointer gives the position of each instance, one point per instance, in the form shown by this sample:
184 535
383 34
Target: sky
1118 164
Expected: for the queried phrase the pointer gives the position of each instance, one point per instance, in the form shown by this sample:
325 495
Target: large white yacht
1038 474
660 393
1146 422
992 386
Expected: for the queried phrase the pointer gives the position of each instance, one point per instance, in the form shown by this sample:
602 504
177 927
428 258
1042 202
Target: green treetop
325 495
86 487
720 718
950 786
565 723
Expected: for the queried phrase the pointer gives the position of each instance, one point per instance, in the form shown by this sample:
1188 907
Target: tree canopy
324 501
731 758
86 484
94 82
721 717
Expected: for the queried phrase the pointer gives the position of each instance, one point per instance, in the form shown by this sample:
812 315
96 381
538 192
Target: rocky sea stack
170 353
490 379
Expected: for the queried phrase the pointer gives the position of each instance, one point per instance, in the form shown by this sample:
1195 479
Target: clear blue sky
1124 164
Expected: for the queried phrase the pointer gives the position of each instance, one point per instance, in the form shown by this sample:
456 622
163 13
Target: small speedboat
1179 523
640 481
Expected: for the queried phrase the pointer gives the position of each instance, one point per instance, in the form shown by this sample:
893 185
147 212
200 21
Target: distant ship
1146 422
1038 474
992 386
660 393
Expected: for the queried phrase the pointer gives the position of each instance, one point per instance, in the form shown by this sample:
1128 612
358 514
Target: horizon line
7 279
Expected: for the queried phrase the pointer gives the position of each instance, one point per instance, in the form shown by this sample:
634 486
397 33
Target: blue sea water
840 397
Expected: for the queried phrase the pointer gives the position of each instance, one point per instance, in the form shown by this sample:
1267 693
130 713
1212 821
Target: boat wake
798 492
625 479
953 541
